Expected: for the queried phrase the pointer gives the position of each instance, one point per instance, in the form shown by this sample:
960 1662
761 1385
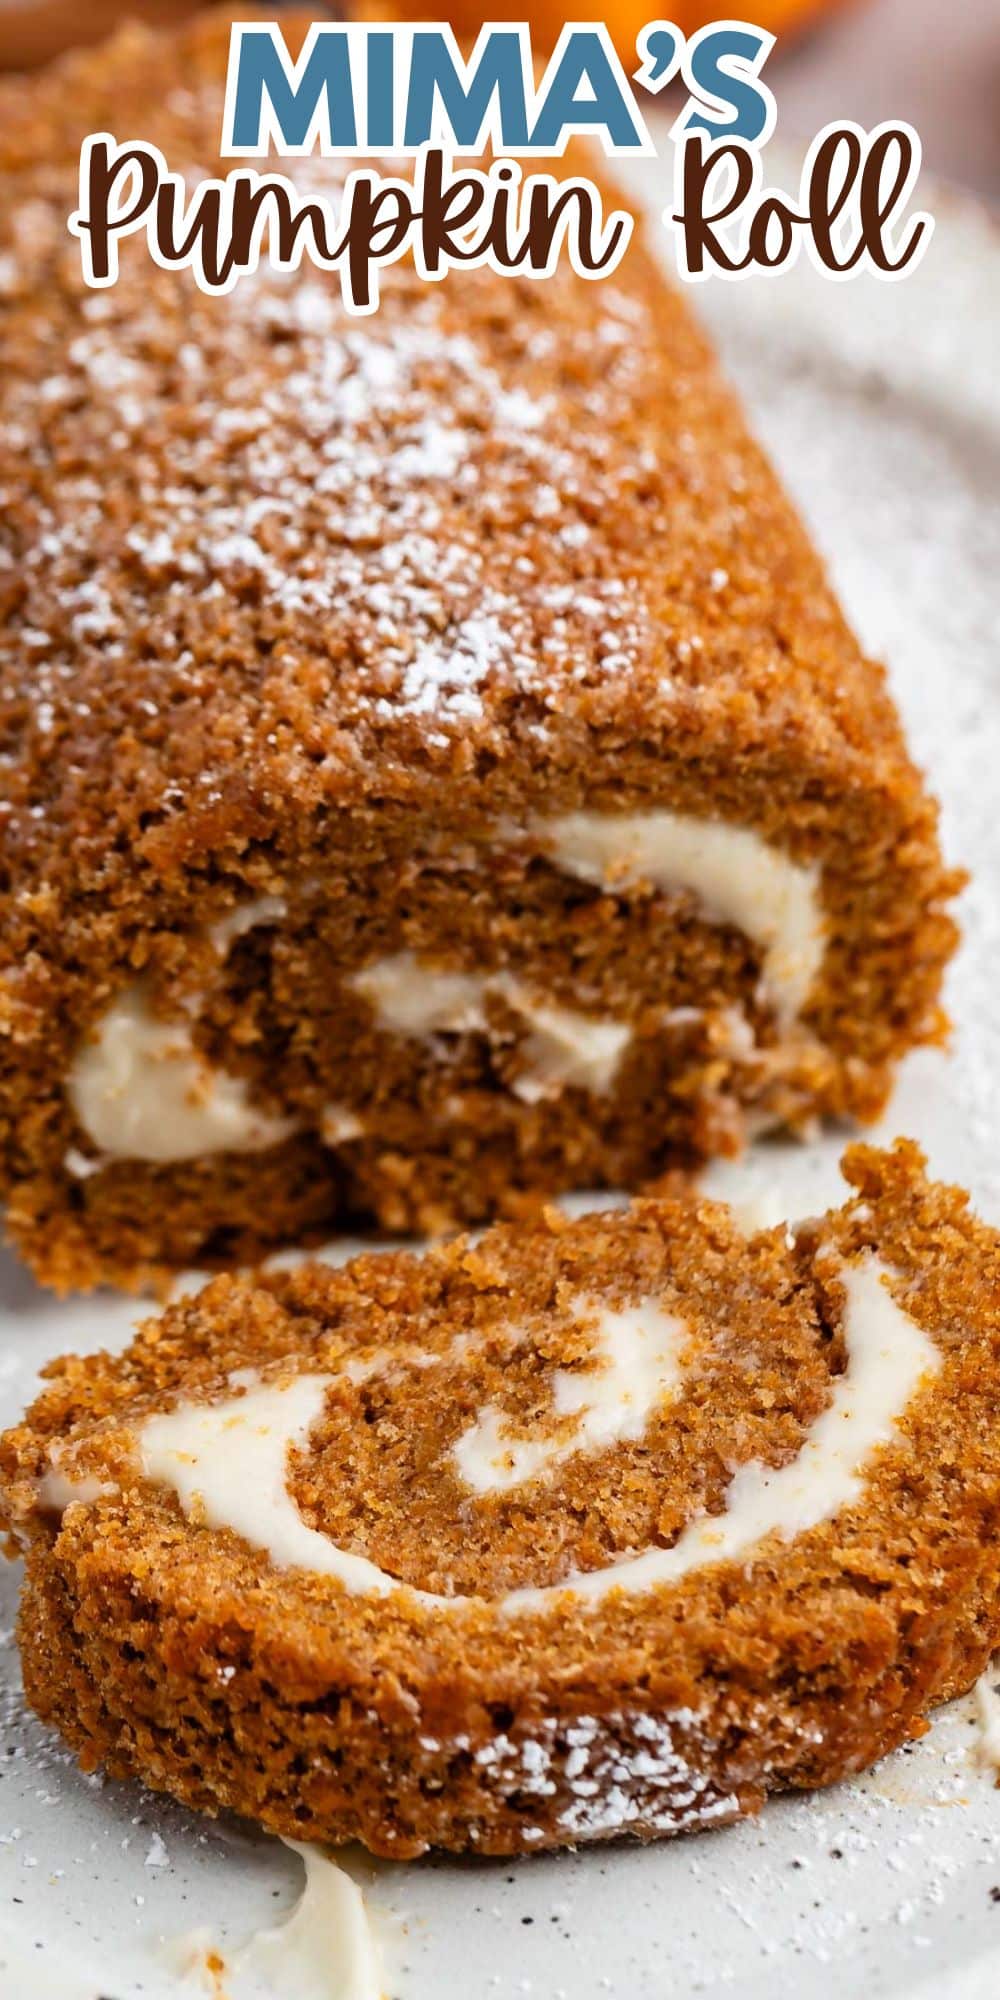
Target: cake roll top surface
548 1456
258 558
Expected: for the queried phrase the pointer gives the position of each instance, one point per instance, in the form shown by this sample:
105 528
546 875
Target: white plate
882 406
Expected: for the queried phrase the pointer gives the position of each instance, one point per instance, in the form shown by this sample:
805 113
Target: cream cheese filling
141 1090
736 875
563 1047
888 1358
228 1465
637 1351
227 1462
246 917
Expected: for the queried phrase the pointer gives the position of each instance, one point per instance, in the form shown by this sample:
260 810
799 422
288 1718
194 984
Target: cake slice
599 1527
436 770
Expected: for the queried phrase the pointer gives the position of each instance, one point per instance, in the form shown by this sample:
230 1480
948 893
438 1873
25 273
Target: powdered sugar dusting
619 1774
449 678
327 502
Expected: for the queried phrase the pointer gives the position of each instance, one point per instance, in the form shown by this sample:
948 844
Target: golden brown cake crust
284 596
180 1654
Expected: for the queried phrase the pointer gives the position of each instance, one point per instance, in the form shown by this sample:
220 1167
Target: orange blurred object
626 17
33 31
778 15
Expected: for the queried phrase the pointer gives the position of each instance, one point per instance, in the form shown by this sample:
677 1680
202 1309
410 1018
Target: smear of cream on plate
325 1949
987 1702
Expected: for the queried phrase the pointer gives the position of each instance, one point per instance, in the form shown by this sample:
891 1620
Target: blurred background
934 62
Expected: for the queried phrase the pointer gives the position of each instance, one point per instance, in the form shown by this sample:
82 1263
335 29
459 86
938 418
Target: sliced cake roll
598 1527
436 769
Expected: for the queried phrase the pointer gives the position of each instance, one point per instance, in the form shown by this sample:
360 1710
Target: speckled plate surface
881 404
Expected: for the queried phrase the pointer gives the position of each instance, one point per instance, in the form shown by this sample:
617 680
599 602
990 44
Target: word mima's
357 88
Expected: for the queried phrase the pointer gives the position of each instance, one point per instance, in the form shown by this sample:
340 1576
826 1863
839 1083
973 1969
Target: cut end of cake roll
612 1526
437 772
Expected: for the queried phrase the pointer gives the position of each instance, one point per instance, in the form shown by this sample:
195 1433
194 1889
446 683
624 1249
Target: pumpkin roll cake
436 770
602 1527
